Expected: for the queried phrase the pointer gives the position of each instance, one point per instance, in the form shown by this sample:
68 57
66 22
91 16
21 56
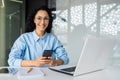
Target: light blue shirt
29 46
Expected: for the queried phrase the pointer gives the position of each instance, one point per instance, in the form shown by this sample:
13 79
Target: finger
50 58
43 58
40 58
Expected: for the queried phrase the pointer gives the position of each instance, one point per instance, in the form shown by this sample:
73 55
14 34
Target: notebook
93 57
36 72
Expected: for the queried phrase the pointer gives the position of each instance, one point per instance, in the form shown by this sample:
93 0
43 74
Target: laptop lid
93 56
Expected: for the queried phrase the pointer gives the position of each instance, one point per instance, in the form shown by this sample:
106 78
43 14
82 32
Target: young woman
29 47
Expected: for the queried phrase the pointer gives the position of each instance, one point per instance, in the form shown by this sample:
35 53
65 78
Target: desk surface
111 73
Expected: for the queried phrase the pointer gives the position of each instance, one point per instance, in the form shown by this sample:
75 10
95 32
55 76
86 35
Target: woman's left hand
55 62
52 62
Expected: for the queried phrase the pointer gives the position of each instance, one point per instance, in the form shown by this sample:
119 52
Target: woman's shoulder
24 38
26 35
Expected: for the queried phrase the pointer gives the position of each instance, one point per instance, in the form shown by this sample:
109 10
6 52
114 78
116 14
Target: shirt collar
36 37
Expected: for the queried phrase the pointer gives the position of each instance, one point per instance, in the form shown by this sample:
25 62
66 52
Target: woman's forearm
28 63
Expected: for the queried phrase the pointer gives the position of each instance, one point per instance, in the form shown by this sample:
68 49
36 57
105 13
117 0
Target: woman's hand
55 62
52 62
42 61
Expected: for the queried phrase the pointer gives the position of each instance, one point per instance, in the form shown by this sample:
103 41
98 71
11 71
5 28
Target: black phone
47 53
8 70
4 70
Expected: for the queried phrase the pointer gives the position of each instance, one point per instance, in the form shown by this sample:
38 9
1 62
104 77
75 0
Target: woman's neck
40 33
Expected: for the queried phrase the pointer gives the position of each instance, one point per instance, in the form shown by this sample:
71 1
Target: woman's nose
42 21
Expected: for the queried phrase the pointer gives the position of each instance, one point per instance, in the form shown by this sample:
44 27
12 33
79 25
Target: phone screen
47 53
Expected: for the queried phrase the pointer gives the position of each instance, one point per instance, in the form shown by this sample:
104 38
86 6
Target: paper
36 72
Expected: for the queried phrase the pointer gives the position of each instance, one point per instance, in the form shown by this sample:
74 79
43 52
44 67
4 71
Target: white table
111 73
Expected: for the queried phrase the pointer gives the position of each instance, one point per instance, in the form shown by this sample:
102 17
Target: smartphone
47 53
4 70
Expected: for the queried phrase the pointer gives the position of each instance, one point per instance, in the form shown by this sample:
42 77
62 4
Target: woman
29 47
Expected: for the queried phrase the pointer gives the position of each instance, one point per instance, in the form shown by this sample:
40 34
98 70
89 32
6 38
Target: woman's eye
39 18
47 18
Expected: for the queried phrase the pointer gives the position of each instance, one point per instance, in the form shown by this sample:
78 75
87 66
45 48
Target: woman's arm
38 62
42 61
61 54
26 63
15 55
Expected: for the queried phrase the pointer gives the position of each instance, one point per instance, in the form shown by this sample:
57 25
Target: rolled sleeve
15 62
65 59
18 62
15 56
60 51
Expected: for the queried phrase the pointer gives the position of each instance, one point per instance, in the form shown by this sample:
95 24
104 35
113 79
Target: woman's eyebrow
43 17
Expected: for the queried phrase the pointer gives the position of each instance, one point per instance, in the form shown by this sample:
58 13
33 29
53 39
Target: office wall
76 19
12 19
2 35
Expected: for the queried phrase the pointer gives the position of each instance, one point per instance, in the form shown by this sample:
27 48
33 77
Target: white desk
111 73
108 74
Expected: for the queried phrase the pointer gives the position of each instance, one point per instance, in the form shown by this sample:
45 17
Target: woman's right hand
41 61
38 62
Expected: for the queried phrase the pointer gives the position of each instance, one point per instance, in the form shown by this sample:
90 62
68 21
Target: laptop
93 57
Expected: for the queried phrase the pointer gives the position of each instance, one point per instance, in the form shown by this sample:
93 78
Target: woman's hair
30 25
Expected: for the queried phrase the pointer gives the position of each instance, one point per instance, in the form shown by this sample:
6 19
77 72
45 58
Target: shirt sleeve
60 51
15 56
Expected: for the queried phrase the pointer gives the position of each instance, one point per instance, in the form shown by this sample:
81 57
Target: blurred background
73 20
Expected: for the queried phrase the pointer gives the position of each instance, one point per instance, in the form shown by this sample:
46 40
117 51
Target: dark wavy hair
30 25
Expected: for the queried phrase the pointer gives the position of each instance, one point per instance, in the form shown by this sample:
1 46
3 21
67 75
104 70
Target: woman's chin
42 30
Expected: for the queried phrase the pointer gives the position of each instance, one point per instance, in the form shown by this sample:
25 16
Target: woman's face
41 20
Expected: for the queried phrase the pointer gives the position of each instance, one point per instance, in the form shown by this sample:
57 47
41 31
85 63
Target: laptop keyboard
71 69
